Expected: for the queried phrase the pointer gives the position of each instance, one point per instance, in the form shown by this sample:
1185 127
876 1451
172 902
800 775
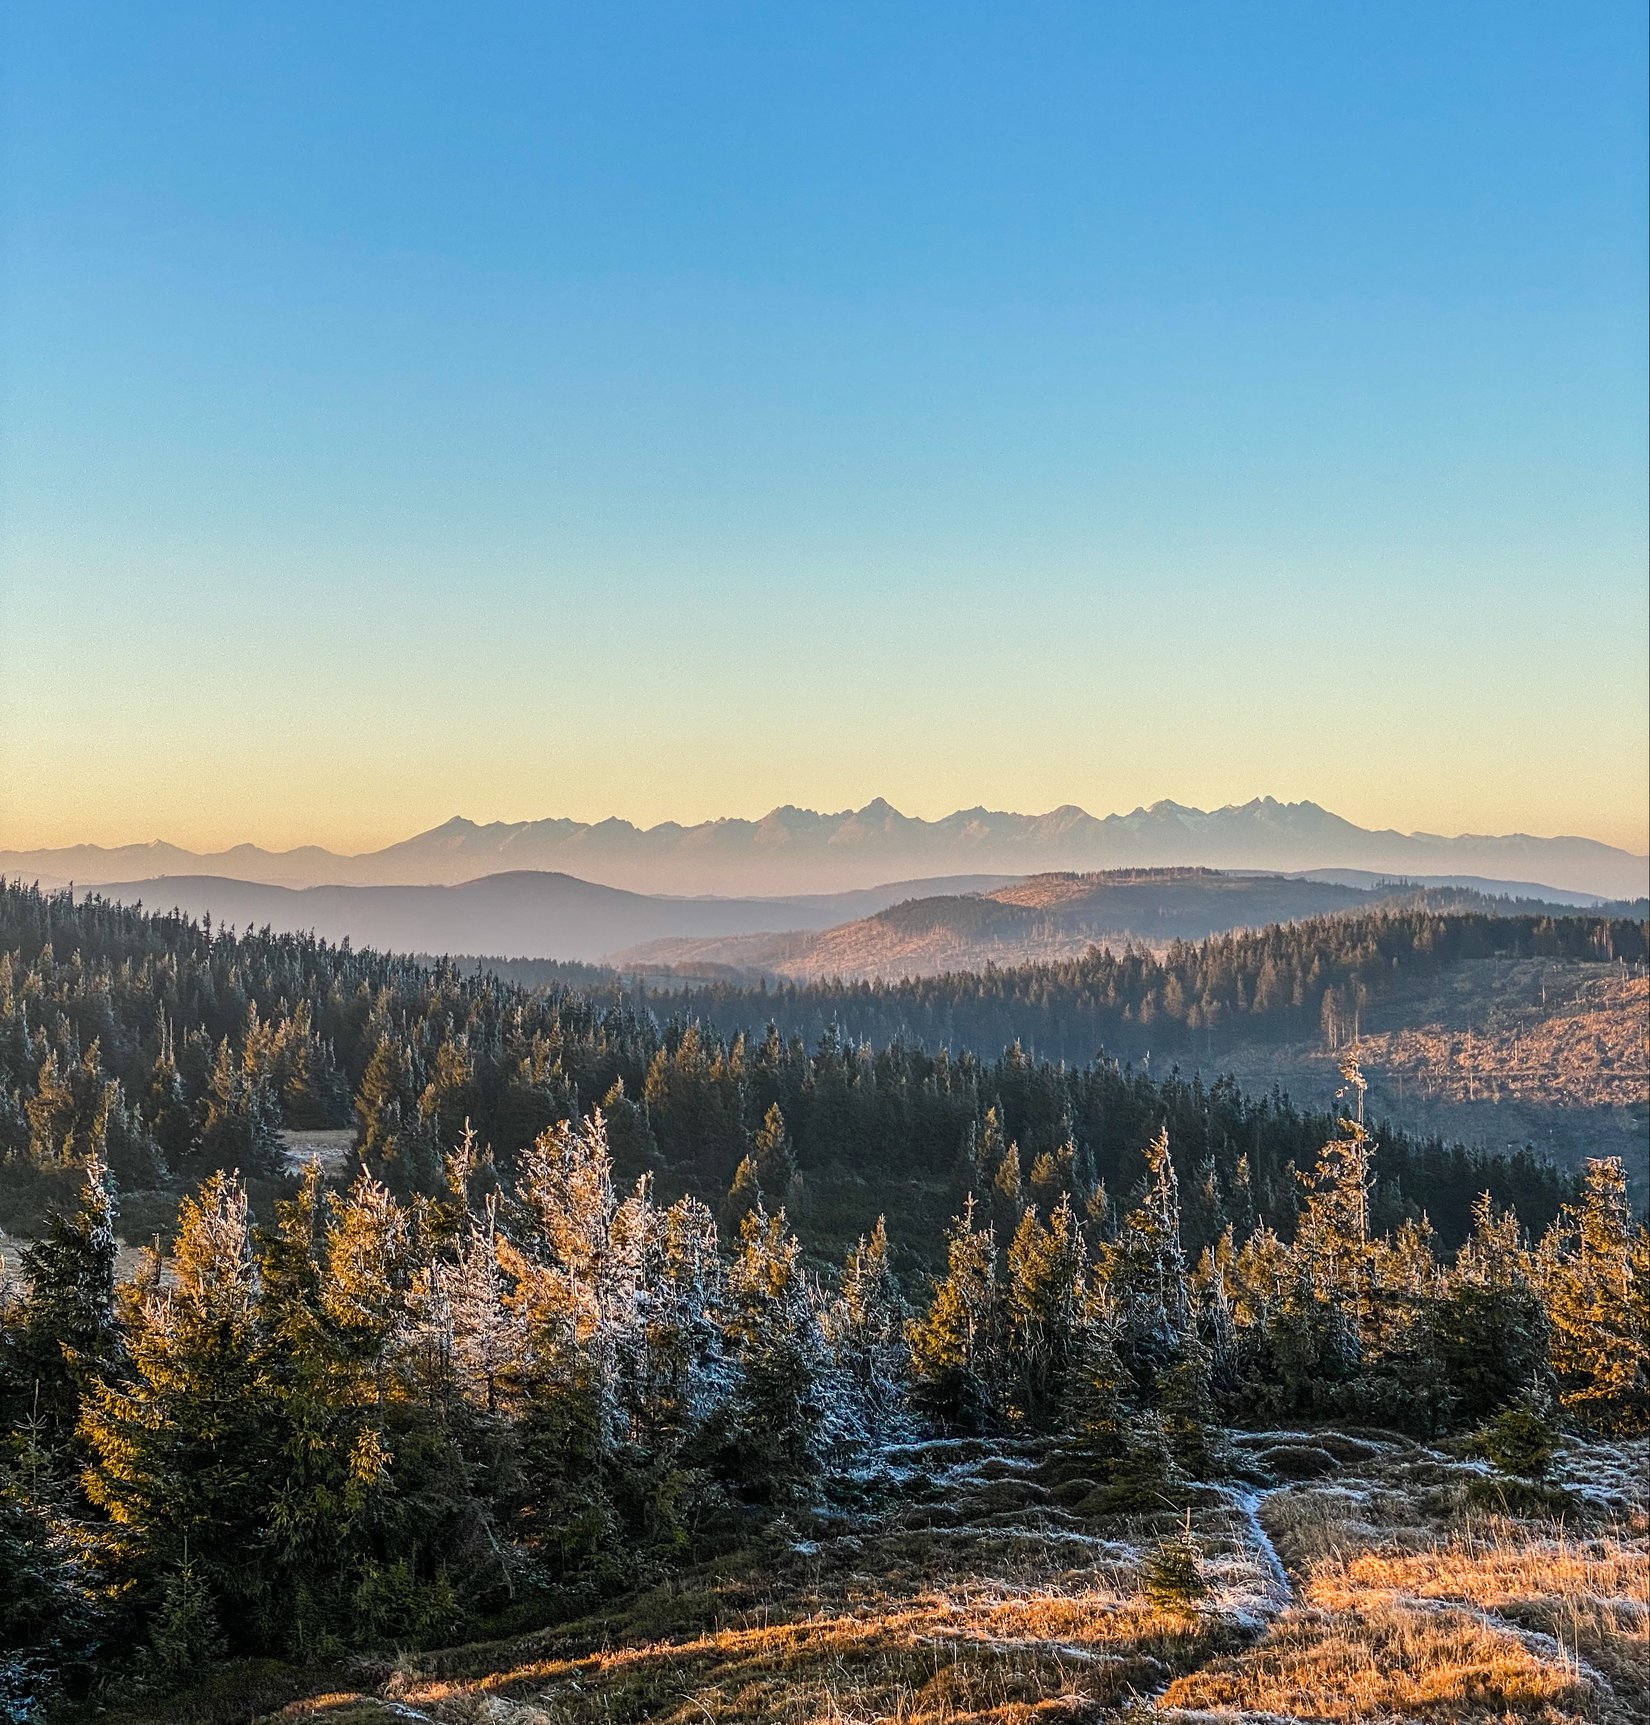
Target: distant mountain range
792 851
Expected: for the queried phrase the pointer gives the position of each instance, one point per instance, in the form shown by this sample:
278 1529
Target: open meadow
1344 1575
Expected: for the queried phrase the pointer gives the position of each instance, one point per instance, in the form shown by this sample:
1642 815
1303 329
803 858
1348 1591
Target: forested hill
172 1050
509 1398
1281 982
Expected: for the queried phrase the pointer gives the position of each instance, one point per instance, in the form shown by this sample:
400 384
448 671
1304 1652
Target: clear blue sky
675 410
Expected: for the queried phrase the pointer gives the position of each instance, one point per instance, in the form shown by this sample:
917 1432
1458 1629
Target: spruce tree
1144 1271
1171 1575
684 1377
327 1494
1186 1404
185 1637
865 1327
181 1460
63 1332
243 1114
778 1411
1596 1266
1523 1438
1042 1299
744 1197
774 1159
629 1132
1095 1417
1487 1327
956 1344
48 1615
1333 1233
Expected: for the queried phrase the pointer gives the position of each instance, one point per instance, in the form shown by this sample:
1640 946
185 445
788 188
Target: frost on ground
968 1581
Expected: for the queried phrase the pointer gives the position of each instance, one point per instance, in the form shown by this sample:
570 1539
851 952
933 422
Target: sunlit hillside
1354 1577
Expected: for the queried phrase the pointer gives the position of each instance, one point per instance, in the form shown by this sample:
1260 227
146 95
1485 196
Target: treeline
377 1422
1284 982
168 1050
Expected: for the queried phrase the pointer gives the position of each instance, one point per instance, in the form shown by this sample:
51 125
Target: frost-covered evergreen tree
1595 1271
1043 1300
1095 1416
330 1492
579 1277
1488 1327
778 1413
62 1332
180 1444
243 1111
956 1345
487 1343
685 1377
774 1158
865 1327
48 1617
1186 1405
371 1259
1008 1191
1332 1233
1523 1438
1171 1574
745 1196
1144 1270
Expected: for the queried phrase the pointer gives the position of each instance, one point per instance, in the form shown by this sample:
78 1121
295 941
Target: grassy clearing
1589 1596
964 1591
1376 1661
933 1658
971 1586
1484 1620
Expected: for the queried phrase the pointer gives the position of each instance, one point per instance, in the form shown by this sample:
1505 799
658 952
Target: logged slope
799 850
1493 1051
1495 1030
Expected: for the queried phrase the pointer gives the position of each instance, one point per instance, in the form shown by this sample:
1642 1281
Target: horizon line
877 804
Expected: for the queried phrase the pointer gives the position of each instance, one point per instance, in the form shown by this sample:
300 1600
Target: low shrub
1300 1461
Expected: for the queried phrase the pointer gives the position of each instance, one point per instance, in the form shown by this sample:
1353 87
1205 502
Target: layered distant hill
794 850
1042 917
1045 918
904 928
524 914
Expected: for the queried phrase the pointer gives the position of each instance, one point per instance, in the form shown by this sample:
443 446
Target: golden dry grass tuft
1385 1660
975 1653
1496 1621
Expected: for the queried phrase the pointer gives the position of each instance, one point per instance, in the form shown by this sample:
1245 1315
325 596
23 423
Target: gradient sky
673 411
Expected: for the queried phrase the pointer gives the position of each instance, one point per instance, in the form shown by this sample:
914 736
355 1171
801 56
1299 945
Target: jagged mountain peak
792 849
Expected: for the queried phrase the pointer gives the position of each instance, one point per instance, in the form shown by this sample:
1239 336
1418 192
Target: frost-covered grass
968 1585
1489 1621
1401 1614
967 1593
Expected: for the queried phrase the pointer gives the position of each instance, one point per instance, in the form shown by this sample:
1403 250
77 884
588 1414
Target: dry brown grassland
977 1584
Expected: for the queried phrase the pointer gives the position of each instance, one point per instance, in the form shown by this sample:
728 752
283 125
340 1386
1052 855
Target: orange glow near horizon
291 814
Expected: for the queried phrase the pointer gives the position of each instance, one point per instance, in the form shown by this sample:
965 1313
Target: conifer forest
600 1297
